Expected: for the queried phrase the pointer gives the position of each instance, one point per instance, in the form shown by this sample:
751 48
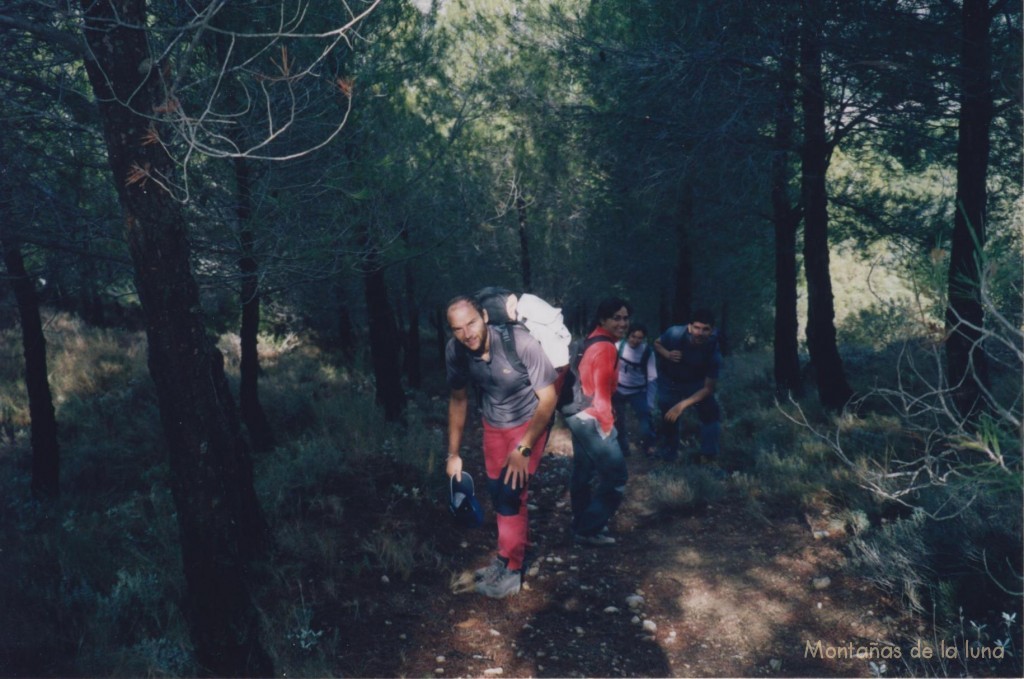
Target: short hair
703 315
608 306
493 299
464 299
637 327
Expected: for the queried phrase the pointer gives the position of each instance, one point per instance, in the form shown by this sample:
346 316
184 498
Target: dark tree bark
255 418
441 336
722 327
966 359
524 243
786 219
413 373
90 303
45 448
682 300
221 525
833 389
346 330
385 344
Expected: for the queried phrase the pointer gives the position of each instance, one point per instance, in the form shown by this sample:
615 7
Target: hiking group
517 354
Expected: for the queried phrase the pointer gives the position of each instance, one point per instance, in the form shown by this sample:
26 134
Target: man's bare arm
458 407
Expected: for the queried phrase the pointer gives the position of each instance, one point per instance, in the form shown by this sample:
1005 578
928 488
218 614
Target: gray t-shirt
508 397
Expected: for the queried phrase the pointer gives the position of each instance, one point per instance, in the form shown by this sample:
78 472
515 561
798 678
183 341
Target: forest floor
720 593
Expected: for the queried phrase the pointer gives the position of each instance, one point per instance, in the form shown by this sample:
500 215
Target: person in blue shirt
689 362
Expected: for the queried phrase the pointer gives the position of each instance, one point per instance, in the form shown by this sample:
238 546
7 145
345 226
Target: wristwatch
524 450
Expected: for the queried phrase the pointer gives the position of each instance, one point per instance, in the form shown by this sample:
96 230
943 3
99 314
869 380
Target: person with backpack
637 387
689 362
595 446
515 381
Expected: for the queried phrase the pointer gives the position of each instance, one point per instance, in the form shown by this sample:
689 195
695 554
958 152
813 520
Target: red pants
512 530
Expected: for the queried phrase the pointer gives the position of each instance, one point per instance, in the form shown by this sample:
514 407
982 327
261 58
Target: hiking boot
489 570
599 540
501 583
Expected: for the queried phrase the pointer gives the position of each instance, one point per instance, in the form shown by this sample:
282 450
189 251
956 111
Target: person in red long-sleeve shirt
595 444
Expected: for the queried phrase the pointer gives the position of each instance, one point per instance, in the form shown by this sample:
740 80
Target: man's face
699 332
468 326
618 323
636 338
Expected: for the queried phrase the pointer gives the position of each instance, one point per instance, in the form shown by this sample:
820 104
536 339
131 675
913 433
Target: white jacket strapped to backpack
546 324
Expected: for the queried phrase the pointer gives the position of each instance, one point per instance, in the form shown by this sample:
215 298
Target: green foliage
675 489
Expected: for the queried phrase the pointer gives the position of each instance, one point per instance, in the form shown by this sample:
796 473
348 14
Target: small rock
531 507
650 626
611 609
635 620
775 664
822 582
495 633
439 670
533 570
493 672
579 631
463 544
526 586
439 658
384 579
634 601
819 534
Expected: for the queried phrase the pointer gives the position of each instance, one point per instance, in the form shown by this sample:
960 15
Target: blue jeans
638 402
594 456
708 412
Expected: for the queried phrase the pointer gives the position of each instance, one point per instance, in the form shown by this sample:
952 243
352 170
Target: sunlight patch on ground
716 607
688 557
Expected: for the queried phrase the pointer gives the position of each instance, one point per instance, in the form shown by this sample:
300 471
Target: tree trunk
346 330
412 337
833 390
524 243
89 303
966 359
786 220
45 449
441 336
682 301
385 346
221 526
260 431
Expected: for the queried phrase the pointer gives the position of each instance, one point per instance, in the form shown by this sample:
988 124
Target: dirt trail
722 594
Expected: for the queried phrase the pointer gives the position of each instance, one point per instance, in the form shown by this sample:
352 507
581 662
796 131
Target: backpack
571 399
644 358
543 321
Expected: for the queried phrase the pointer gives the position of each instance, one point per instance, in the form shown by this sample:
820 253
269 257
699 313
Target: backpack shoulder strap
508 341
591 341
